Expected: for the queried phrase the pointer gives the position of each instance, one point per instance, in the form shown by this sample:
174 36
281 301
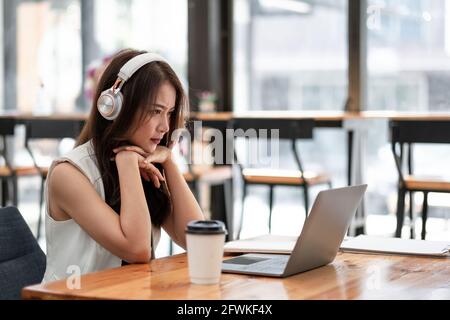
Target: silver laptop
318 244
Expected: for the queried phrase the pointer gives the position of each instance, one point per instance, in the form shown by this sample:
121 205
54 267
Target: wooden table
350 276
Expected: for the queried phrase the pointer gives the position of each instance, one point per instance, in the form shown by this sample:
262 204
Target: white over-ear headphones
110 101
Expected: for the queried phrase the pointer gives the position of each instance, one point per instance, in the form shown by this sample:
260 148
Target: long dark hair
139 92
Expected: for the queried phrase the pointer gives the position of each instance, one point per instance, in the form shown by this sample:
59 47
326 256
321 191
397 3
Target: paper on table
395 246
371 244
263 244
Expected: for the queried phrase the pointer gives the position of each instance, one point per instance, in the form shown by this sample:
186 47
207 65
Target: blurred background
251 55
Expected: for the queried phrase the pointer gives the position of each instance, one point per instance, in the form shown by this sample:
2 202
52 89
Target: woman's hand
147 170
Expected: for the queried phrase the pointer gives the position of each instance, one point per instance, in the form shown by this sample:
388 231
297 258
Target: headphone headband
127 71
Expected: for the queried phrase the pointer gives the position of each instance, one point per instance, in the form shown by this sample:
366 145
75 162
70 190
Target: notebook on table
262 244
373 244
361 244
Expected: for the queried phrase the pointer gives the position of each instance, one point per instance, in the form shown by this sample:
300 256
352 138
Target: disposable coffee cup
205 241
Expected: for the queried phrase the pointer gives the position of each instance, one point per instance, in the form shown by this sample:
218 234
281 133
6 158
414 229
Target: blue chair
22 261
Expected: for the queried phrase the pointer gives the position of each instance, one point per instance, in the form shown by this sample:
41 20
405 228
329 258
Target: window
408 55
290 55
154 25
48 56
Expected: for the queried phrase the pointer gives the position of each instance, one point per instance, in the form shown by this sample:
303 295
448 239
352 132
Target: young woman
108 198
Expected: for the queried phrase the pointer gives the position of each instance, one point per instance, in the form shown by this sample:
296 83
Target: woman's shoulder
63 193
63 172
81 158
85 150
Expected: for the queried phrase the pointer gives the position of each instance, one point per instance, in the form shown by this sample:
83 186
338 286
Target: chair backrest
420 131
52 128
22 261
409 132
7 127
287 129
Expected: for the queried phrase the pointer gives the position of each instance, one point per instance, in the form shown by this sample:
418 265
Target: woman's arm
134 216
126 236
185 206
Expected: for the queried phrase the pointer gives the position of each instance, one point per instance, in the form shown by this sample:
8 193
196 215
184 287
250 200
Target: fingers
148 171
152 177
144 174
152 173
156 181
155 171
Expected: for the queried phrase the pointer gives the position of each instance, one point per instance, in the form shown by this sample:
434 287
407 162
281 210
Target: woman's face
154 126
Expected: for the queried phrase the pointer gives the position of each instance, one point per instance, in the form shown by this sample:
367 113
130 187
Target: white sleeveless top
69 248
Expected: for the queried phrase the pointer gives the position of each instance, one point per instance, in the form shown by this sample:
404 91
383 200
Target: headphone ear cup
118 98
109 104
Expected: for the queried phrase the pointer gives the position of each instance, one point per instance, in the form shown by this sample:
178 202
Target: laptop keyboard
275 265
270 265
245 260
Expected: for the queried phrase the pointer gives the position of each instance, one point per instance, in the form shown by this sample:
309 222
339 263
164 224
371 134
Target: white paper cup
205 241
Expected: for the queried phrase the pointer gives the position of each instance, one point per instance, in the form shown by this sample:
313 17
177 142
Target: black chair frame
406 134
288 129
